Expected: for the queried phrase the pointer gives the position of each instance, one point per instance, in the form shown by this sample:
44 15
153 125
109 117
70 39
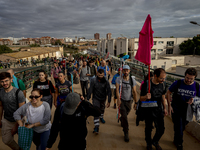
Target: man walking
18 83
71 70
100 88
154 106
183 93
127 94
10 100
70 120
104 67
93 70
84 72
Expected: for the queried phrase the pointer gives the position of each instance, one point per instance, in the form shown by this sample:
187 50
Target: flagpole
149 79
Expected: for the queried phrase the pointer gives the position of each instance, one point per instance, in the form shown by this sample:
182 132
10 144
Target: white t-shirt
36 114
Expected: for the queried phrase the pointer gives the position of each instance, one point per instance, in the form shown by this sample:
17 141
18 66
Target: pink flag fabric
145 42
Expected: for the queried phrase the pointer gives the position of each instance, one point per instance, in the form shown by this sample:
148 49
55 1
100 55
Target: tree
188 47
171 36
5 49
34 45
58 42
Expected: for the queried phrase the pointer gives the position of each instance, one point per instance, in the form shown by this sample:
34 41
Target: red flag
145 42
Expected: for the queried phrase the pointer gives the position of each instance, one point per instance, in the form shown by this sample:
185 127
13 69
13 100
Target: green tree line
190 46
5 49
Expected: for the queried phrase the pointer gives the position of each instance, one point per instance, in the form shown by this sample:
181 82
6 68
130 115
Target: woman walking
54 71
38 117
46 86
63 88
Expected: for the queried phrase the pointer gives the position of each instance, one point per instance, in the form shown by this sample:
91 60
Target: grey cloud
71 18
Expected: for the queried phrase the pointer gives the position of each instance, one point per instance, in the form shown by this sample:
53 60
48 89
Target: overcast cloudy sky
70 18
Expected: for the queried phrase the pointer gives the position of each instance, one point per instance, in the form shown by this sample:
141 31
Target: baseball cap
71 103
126 67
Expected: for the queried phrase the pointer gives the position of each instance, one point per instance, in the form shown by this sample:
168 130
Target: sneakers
157 146
115 106
178 146
149 147
96 130
126 138
102 120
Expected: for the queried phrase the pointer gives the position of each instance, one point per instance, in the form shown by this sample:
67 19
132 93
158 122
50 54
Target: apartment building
122 45
68 39
108 36
27 41
111 46
104 49
45 40
96 36
99 48
6 42
163 46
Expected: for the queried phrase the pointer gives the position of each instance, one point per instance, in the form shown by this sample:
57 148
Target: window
160 42
120 44
170 43
160 50
154 67
163 66
169 51
174 62
154 42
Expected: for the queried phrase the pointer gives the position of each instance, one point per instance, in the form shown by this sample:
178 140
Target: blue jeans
90 78
40 139
179 120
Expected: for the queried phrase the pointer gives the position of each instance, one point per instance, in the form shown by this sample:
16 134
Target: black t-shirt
46 87
63 89
156 91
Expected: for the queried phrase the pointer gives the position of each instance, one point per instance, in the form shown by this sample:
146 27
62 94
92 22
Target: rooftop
197 67
34 51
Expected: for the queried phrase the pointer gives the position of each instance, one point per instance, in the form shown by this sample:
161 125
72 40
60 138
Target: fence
140 71
28 76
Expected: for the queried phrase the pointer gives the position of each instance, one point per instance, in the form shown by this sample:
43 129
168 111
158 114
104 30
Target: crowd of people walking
73 109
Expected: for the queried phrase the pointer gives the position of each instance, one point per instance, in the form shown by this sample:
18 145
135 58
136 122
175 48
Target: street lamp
195 23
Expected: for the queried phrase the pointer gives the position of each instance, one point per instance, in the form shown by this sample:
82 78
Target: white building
122 45
163 46
104 46
99 48
15 40
68 39
111 46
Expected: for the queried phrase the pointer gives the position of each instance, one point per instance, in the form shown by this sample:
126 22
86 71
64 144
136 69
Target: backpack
16 95
93 67
130 82
18 81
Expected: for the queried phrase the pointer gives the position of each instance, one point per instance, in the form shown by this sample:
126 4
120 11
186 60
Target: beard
125 74
7 87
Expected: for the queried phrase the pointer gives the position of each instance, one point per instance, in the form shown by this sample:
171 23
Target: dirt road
111 135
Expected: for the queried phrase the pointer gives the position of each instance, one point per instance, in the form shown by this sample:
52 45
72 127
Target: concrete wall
161 63
181 70
192 60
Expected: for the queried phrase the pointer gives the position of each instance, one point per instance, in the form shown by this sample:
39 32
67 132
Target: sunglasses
36 97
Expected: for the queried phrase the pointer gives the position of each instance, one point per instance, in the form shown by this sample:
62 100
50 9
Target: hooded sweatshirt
100 89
